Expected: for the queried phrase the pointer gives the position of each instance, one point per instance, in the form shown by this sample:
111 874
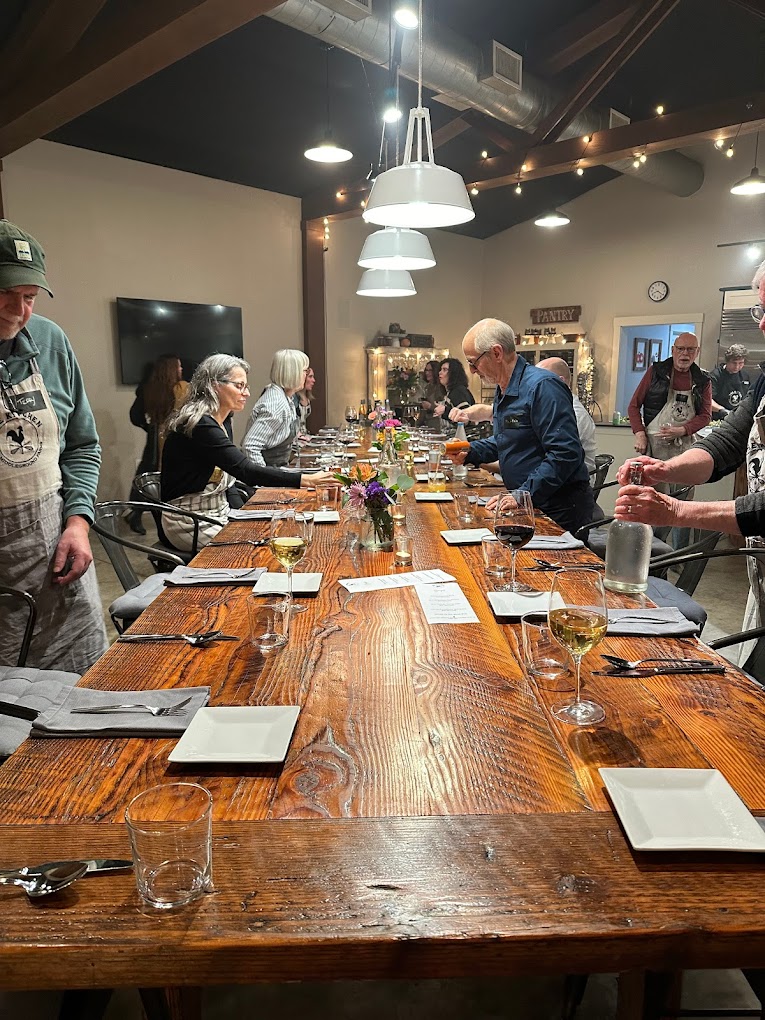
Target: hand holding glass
578 621
514 527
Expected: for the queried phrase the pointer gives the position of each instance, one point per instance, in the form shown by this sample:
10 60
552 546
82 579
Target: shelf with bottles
395 373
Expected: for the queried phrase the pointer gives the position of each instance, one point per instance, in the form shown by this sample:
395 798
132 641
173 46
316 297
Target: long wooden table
431 819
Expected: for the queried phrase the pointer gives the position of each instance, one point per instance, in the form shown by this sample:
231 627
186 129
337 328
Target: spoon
46 880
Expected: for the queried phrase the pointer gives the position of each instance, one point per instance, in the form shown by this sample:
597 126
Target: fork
242 541
137 707
193 639
616 660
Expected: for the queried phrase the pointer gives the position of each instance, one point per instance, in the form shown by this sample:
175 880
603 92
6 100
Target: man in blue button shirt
535 434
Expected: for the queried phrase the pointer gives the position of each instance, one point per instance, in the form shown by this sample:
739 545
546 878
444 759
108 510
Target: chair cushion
32 688
130 605
664 593
597 538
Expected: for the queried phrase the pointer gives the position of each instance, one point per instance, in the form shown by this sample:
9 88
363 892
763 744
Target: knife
659 671
95 865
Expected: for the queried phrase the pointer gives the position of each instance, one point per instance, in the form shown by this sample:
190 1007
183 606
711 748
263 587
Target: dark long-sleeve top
727 446
189 461
459 396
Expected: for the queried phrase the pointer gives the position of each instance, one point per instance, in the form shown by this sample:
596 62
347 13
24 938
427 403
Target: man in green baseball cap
49 463
22 260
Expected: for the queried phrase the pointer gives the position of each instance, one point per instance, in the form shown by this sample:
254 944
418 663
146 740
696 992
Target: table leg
648 995
84 1003
171 1003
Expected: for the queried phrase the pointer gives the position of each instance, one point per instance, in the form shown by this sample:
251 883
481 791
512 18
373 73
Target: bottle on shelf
362 408
628 549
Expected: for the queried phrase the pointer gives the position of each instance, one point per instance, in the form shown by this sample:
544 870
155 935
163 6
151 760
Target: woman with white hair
274 420
200 461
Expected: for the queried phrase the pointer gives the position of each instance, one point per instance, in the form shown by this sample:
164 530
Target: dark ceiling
244 108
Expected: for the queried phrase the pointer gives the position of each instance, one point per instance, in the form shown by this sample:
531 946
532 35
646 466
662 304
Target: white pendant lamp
386 283
419 193
327 151
396 248
553 218
754 184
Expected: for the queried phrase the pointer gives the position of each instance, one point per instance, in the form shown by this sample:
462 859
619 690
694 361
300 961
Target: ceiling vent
503 68
356 10
616 119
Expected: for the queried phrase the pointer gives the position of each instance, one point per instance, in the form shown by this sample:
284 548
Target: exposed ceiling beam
452 129
753 6
141 39
46 31
504 136
641 25
745 114
579 37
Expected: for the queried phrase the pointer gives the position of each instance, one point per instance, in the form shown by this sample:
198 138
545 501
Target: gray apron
69 633
279 456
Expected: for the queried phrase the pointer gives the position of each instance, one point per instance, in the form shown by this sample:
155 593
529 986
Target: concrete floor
722 591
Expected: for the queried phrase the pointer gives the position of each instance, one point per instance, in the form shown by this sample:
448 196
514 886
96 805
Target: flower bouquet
404 381
371 495
400 434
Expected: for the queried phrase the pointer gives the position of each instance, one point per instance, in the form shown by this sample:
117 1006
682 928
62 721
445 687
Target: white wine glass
578 620
288 545
514 528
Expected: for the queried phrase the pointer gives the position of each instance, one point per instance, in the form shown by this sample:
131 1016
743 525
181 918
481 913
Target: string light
484 154
586 139
636 163
326 222
518 189
524 168
659 110
719 143
643 157
338 194
579 172
729 152
474 190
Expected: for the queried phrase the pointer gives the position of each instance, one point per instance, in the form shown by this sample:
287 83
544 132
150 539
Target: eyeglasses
472 364
757 313
686 350
241 386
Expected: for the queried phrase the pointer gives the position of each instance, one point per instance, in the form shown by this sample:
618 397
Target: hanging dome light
386 283
754 184
553 218
396 248
419 193
328 152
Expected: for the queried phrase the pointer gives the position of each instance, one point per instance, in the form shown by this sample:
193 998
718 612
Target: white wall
113 227
623 236
447 303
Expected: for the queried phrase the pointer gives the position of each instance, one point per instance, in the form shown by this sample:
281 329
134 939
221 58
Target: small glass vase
377 531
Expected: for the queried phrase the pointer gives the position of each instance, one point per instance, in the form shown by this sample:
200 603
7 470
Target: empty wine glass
288 544
578 620
514 528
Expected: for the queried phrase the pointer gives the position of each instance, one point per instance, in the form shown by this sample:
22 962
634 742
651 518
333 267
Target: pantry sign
551 316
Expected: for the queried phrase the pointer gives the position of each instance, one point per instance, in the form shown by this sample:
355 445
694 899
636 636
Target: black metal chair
139 594
598 475
25 601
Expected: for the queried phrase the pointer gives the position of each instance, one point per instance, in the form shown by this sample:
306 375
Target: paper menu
445 603
413 577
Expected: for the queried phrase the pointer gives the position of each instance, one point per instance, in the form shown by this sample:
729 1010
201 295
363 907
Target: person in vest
49 463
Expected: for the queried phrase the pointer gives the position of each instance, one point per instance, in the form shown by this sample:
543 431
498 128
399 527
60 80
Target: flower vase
377 531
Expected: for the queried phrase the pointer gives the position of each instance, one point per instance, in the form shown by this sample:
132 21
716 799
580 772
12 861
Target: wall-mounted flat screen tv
147 329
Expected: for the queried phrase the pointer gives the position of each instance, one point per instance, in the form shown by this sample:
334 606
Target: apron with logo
678 410
755 473
69 633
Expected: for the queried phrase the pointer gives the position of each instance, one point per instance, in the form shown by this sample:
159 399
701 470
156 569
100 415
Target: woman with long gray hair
200 460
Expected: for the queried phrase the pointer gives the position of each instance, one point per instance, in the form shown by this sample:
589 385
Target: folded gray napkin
132 603
27 688
666 621
190 576
58 720
251 515
564 541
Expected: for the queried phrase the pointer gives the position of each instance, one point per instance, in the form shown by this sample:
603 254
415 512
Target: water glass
436 480
546 660
327 497
465 507
496 558
269 623
170 829
305 518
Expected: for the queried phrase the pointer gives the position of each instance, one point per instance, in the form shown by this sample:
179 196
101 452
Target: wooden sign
547 316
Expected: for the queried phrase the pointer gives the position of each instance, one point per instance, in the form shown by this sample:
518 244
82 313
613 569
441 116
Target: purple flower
357 494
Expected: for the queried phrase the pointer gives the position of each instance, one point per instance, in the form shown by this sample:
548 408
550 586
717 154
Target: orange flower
362 473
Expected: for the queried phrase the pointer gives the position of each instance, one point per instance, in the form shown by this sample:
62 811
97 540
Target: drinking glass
288 544
578 621
269 623
351 416
514 527
436 479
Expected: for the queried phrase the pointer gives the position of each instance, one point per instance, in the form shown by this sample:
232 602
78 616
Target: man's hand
73 555
654 471
672 431
459 414
641 442
647 506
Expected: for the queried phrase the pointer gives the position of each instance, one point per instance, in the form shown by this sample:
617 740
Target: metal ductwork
452 66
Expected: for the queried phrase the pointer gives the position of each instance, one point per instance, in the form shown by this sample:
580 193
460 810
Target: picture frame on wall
654 351
639 354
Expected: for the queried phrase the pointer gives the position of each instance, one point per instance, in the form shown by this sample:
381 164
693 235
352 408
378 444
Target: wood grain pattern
431 818
383 898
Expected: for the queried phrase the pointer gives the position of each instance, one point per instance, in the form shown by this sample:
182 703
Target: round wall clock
658 290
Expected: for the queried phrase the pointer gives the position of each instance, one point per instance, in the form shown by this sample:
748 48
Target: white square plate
326 516
420 477
243 734
515 603
276 584
465 536
433 497
681 809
